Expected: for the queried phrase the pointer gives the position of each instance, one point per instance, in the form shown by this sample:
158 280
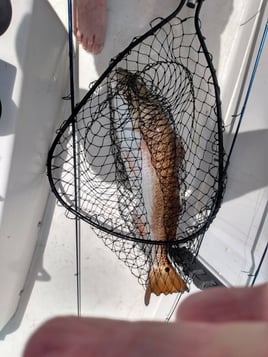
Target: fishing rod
260 265
75 158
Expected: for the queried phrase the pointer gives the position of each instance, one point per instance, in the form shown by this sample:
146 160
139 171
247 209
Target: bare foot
90 23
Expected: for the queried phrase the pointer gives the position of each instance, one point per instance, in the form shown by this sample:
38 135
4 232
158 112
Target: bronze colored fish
162 153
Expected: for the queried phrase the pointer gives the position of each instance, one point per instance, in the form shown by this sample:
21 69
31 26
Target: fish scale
161 155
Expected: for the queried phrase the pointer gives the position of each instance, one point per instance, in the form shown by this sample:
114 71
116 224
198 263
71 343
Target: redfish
162 154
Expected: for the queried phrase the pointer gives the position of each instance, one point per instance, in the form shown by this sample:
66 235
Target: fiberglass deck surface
108 288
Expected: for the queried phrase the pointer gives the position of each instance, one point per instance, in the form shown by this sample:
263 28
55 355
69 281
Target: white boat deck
234 243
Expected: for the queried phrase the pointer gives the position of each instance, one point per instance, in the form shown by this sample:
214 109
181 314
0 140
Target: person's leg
89 23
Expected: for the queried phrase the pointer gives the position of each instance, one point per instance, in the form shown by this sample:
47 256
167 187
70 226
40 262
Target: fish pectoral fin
180 152
147 295
163 279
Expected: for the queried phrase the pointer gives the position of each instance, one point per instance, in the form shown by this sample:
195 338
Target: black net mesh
149 155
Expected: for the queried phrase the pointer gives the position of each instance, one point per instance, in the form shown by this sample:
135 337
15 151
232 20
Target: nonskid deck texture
107 288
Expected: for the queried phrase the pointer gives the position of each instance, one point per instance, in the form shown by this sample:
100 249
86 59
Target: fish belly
144 183
152 195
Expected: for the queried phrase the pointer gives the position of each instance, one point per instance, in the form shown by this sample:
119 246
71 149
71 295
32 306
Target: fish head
138 96
132 87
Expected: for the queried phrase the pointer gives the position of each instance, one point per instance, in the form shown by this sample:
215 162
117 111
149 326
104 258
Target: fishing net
141 157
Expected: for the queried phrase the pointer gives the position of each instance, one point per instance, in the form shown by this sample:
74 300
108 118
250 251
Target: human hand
218 322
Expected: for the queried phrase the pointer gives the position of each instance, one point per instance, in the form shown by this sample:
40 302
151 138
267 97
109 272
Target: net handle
75 157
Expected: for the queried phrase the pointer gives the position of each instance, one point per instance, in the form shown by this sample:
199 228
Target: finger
226 304
69 337
84 337
235 339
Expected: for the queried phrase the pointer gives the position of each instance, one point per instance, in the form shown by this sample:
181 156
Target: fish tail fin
163 279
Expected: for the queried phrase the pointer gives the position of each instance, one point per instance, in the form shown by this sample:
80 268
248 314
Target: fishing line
173 307
75 167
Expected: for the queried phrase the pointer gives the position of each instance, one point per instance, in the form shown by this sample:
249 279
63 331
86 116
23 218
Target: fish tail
163 279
